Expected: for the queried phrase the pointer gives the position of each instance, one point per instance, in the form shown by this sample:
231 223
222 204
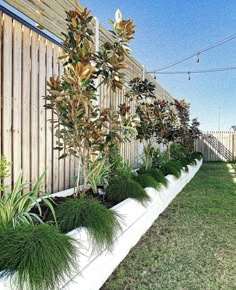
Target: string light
198 60
196 54
210 70
195 71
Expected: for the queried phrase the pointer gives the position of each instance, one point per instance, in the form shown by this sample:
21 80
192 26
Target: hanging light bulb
198 60
189 78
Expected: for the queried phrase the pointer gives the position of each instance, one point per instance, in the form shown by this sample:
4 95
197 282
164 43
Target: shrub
159 158
172 167
38 256
101 223
146 180
121 188
176 151
197 155
157 174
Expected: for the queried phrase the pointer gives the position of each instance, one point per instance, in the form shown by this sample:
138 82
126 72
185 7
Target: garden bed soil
57 200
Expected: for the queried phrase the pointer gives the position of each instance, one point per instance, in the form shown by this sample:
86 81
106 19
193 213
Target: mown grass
193 243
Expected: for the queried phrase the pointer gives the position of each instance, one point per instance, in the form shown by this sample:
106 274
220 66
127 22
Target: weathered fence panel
217 145
27 60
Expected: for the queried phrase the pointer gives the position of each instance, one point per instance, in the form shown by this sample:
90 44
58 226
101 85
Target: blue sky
167 31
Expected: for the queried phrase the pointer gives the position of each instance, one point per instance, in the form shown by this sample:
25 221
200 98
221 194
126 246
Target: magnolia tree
142 93
157 118
166 125
188 131
83 128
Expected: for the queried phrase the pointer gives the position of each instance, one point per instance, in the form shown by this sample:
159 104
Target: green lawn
192 245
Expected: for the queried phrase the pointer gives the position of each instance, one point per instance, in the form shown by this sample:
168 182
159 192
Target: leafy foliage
159 158
187 131
119 166
140 90
176 151
15 206
146 180
121 188
147 157
101 223
37 257
4 171
166 126
99 173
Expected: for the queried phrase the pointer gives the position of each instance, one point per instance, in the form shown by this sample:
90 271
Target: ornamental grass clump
172 168
146 180
157 174
121 188
36 257
184 162
197 155
102 224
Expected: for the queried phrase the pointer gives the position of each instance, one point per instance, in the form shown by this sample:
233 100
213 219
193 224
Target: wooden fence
217 145
27 60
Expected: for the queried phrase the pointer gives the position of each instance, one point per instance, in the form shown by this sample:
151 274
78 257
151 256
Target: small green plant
124 169
146 180
120 167
172 168
4 171
101 223
36 256
147 157
15 206
122 187
176 151
157 174
159 158
99 174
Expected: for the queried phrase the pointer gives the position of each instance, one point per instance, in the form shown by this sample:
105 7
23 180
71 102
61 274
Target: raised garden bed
95 267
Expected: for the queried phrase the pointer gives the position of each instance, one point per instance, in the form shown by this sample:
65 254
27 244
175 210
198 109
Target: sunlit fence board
7 90
17 88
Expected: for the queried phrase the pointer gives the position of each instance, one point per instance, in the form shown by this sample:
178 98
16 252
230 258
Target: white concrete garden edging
95 268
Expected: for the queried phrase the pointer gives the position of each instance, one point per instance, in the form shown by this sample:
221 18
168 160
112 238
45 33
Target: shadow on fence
217 146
